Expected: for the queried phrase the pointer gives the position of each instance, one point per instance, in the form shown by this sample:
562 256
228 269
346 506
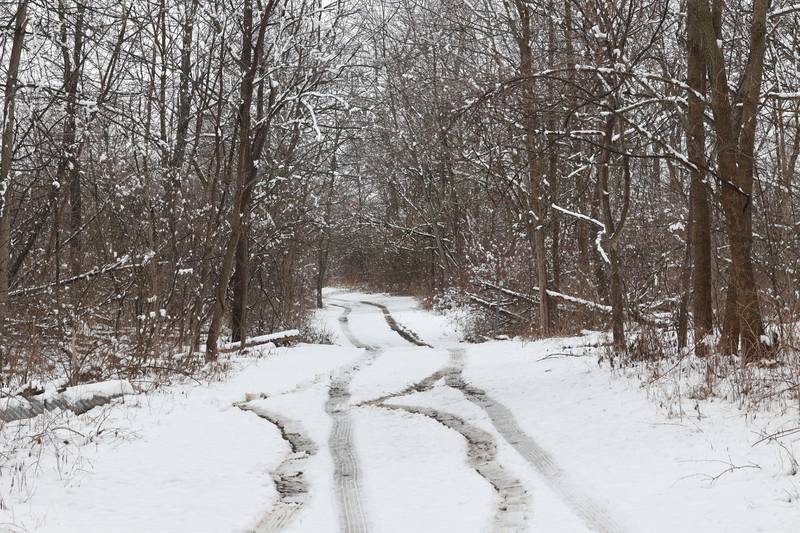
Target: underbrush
769 382
687 387
53 441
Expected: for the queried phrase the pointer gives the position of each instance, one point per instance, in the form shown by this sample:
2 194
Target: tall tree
699 197
7 154
735 120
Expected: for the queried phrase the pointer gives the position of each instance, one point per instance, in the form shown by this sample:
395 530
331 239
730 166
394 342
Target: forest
175 173
380 266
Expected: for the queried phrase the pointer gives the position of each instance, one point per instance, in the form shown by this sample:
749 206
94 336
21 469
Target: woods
176 173
160 176
625 154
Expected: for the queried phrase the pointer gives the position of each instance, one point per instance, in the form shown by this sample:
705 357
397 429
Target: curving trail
594 516
512 503
513 506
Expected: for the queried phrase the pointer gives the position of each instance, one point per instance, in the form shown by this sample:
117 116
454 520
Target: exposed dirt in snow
289 478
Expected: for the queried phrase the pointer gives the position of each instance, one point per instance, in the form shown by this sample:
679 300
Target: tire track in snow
593 515
347 480
344 324
513 504
407 334
288 477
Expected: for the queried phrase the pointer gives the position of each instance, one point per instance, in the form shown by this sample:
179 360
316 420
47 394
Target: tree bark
735 126
69 171
535 192
250 59
7 156
612 235
698 194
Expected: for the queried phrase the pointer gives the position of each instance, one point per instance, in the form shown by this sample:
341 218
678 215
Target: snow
434 482
186 458
179 459
109 389
630 454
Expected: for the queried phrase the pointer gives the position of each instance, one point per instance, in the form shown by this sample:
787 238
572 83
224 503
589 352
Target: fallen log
77 399
277 337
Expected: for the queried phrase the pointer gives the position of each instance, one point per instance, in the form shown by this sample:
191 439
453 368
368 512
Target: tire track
512 504
288 477
398 328
512 501
344 324
347 479
593 515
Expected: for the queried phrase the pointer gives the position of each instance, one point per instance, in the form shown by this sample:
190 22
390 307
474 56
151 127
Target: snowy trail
594 516
512 505
400 427
353 517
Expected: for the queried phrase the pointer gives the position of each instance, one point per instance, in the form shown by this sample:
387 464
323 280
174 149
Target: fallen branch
260 340
605 309
553 294
119 265
78 399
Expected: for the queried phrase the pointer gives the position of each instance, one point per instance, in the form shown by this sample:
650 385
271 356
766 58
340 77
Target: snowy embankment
403 428
180 459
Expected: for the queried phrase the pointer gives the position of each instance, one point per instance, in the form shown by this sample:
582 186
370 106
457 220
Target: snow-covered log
279 336
637 315
77 399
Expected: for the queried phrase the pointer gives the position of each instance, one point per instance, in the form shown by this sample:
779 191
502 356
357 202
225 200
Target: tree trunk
241 281
552 170
612 237
735 125
250 60
69 171
698 195
7 156
682 328
535 192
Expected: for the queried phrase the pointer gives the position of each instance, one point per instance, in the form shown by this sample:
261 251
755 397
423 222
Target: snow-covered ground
382 433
